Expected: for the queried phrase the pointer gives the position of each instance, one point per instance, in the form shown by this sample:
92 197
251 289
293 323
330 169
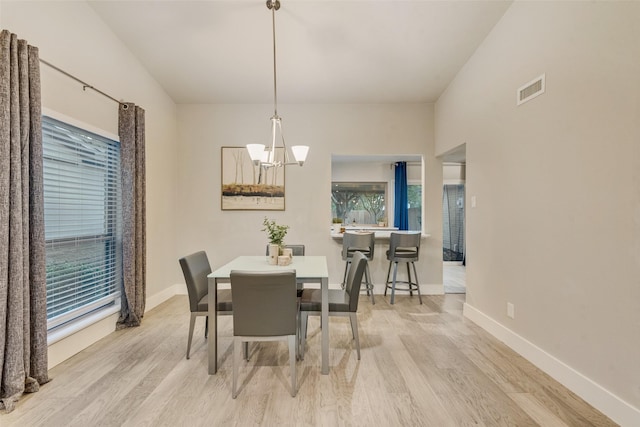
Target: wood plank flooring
454 278
422 365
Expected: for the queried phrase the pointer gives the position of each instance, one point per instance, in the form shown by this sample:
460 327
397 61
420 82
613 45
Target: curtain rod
85 85
409 163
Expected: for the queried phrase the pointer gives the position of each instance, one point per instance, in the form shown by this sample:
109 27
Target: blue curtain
401 211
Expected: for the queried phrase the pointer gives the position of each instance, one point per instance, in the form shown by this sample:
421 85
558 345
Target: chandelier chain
266 157
275 82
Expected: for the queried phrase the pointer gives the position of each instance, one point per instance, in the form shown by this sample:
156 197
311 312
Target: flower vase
274 251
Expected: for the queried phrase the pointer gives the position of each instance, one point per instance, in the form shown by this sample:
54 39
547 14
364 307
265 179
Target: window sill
75 326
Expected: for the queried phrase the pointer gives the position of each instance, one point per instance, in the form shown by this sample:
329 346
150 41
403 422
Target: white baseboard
378 289
157 299
432 289
600 398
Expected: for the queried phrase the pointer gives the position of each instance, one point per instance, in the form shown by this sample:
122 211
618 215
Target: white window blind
82 209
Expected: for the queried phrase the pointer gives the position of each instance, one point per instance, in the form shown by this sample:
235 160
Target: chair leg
192 323
299 336
245 350
386 282
344 277
415 274
393 285
292 362
366 278
236 356
298 320
409 280
354 331
304 317
368 284
206 328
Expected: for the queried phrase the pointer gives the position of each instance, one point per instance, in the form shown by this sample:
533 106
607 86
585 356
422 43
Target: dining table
309 269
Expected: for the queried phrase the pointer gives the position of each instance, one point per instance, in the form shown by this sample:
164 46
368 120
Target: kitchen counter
380 232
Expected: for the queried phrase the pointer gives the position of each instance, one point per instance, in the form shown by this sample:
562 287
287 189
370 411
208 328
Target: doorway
453 239
454 221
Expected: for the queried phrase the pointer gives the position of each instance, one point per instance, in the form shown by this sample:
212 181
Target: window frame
64 325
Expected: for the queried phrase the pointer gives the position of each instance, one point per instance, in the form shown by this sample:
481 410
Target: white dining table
309 269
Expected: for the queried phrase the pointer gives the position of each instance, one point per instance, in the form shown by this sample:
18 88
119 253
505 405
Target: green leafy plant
337 221
274 231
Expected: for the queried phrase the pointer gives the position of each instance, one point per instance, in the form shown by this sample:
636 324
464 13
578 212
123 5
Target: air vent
531 90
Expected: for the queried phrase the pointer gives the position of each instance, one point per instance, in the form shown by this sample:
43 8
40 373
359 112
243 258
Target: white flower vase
274 251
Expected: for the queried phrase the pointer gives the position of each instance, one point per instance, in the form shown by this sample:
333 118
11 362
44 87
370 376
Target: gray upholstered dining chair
405 248
342 302
195 268
265 308
362 242
296 250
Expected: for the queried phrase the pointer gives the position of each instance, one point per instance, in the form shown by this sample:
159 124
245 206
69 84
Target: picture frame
245 186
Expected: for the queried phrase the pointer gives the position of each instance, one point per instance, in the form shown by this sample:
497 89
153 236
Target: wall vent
530 90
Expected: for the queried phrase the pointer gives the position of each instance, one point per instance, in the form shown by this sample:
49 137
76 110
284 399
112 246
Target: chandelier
266 156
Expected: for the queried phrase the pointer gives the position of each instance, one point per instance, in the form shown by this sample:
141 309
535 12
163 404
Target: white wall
363 171
453 174
556 230
327 129
71 36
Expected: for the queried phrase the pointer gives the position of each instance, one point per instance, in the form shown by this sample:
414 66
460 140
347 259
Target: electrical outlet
511 310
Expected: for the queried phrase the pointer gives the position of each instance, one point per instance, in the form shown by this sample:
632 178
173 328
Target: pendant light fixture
266 156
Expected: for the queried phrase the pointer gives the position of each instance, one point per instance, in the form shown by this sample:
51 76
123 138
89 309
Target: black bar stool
403 247
359 242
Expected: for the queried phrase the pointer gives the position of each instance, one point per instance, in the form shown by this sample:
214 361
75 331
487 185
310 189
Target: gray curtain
131 132
23 293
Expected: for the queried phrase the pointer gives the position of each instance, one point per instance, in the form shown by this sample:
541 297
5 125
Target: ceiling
331 51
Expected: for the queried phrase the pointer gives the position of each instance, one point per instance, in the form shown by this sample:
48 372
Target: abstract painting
249 187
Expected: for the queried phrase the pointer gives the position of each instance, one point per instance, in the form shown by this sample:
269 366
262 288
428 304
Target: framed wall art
249 187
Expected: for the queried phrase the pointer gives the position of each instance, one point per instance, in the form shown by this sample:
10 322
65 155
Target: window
363 189
82 211
359 202
414 199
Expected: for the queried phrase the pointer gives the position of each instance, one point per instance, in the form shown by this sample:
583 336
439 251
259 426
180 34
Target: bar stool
359 242
403 247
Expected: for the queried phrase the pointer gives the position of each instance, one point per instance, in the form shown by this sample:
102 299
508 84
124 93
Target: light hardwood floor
454 278
422 365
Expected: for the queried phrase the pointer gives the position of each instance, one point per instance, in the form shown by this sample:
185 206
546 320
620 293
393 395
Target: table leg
325 325
213 326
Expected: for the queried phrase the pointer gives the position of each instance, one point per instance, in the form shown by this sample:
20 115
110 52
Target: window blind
82 209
